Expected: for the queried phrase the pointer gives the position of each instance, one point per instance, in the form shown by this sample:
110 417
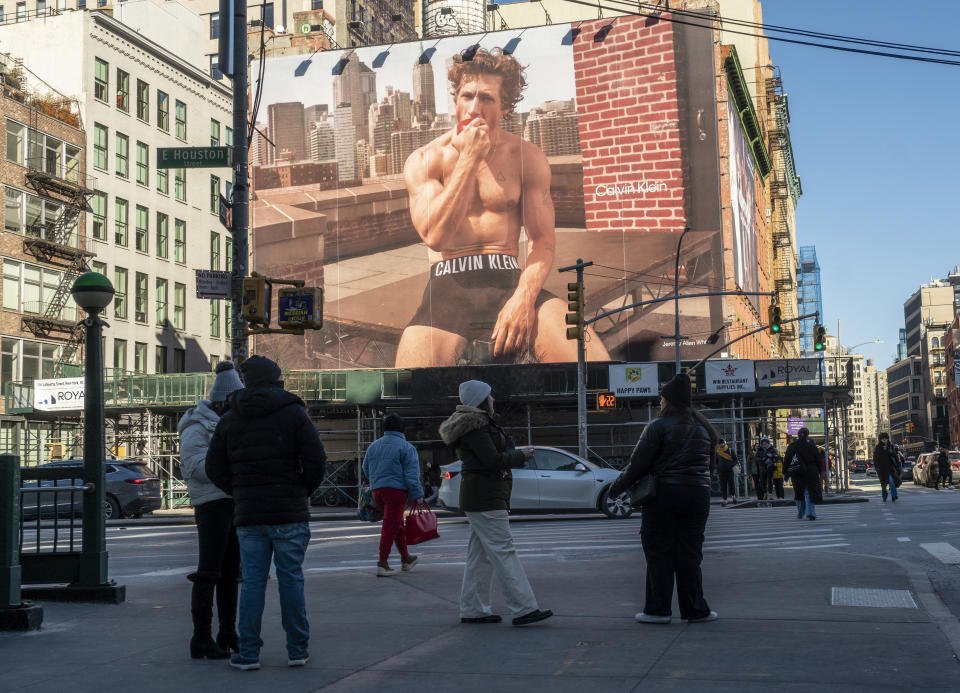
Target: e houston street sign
194 157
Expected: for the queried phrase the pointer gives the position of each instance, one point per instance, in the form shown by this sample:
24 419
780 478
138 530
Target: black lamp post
93 292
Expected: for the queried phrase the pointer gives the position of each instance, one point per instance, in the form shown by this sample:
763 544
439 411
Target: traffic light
819 337
256 301
775 318
575 306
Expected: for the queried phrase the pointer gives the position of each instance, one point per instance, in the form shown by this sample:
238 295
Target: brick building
952 349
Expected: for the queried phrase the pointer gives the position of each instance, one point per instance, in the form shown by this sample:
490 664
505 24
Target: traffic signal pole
578 328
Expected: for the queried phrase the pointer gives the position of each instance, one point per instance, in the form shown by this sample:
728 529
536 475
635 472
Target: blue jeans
288 544
892 485
805 506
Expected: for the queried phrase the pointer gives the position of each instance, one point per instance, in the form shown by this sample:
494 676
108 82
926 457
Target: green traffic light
775 328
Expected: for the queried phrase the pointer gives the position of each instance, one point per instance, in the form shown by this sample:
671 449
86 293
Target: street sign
794 424
226 213
606 400
213 284
58 394
305 28
194 157
300 307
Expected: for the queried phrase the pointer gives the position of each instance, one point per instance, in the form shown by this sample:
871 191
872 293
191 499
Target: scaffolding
809 297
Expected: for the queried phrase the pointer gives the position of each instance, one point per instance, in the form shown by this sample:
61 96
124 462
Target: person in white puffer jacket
218 568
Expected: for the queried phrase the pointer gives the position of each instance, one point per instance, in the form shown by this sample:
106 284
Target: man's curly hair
492 62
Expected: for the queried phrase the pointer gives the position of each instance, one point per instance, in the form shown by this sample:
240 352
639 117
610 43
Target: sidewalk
777 631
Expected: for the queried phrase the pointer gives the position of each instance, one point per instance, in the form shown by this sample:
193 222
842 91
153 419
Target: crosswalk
779 529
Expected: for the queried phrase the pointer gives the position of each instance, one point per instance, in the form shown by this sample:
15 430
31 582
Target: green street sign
194 157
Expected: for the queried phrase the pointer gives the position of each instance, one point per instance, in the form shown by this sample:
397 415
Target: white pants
490 551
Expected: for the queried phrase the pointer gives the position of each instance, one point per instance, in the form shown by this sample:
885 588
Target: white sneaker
647 618
298 661
383 570
407 565
712 616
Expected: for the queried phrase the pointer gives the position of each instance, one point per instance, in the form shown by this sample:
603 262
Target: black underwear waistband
475 263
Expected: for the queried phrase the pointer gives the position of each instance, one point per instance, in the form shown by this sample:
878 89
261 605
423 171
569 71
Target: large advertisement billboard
434 189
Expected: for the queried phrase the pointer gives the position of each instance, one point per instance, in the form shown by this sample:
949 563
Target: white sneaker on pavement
647 618
712 616
383 570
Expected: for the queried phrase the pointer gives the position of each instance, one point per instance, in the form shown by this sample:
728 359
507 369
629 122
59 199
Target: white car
552 479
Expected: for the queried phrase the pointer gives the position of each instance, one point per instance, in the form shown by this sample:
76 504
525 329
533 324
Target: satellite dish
279 28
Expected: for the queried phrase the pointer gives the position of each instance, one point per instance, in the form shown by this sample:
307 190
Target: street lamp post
93 292
676 303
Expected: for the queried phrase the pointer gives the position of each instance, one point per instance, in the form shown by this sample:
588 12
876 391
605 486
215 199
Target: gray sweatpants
490 551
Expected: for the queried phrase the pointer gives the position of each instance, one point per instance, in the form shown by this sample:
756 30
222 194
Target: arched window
935 343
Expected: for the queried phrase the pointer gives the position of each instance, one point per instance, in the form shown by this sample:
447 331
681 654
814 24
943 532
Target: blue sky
877 154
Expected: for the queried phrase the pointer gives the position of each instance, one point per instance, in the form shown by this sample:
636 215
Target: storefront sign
58 394
730 375
634 380
774 371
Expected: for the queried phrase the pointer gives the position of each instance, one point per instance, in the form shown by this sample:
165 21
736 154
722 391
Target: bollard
15 614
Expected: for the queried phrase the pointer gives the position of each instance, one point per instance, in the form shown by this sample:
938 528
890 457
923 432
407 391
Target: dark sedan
132 490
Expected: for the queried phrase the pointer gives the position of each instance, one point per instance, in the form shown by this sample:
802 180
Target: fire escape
57 242
784 187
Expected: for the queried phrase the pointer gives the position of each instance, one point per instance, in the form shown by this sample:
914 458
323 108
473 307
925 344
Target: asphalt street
865 598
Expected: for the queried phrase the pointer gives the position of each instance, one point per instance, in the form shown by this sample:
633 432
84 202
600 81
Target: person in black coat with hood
678 449
266 453
804 474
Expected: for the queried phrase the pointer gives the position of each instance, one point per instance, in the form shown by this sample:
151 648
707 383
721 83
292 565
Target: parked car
871 469
858 466
926 470
906 473
132 490
553 479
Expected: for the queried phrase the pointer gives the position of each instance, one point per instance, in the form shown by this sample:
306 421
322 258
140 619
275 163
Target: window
163 111
140 298
162 246
120 292
120 354
99 146
179 241
214 318
214 250
101 79
11 284
143 100
15 140
13 211
141 229
181 119
139 357
228 316
228 136
163 183
316 4
228 253
1 14
99 206
214 195
123 155
179 306
161 295
179 360
21 11
160 363
99 267
214 133
143 164
215 71
123 90
915 402
120 210
41 7
268 14
214 25
25 360
180 184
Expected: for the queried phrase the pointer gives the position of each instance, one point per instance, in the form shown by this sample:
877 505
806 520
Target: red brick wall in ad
629 126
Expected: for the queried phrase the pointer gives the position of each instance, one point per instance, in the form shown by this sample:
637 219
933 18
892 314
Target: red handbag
420 524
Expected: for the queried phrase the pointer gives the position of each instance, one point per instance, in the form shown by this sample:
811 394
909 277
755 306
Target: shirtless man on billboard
471 190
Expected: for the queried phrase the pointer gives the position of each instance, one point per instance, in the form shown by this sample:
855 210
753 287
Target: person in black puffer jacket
266 453
678 449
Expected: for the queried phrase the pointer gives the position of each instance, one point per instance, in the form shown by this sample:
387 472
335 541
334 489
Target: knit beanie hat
677 390
259 370
226 382
393 422
473 393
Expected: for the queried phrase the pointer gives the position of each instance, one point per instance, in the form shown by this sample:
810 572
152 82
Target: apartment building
149 228
906 399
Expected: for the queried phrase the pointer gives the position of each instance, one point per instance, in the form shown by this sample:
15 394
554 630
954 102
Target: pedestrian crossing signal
819 337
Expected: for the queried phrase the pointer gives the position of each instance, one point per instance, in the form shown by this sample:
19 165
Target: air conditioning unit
56 451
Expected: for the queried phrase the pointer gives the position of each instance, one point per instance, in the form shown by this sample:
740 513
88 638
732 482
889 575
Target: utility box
256 301
300 307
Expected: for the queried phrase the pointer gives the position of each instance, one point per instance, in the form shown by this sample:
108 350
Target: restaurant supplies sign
634 380
775 371
730 375
58 394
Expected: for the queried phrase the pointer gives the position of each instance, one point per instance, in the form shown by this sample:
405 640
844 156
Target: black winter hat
677 390
259 370
393 422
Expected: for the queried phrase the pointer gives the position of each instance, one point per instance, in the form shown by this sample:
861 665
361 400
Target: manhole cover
858 596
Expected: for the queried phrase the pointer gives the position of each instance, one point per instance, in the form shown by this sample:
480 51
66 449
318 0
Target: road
775 581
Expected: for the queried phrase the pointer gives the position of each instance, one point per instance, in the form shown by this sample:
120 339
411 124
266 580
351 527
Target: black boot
201 607
227 614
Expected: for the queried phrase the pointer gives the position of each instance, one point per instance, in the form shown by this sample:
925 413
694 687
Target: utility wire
814 44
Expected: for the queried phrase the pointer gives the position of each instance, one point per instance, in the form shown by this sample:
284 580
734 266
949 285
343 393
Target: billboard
433 190
742 204
58 394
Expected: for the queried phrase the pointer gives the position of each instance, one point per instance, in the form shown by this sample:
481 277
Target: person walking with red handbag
393 468
485 487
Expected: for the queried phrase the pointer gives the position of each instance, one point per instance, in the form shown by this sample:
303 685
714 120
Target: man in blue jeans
266 453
